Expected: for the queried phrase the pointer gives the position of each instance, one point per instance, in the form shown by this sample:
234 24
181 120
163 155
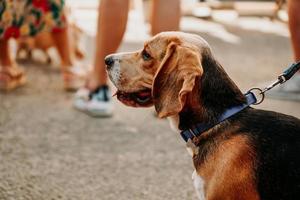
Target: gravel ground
50 151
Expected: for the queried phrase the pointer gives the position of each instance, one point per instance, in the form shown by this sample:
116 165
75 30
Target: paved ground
50 151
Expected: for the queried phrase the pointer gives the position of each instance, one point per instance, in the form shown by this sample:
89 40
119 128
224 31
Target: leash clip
257 92
282 78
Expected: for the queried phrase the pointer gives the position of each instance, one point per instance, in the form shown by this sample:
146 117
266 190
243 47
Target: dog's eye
146 56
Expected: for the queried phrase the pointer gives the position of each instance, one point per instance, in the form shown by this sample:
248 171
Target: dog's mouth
142 98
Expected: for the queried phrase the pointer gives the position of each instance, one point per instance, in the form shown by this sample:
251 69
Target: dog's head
164 73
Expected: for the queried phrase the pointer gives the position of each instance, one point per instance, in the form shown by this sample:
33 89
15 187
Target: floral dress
27 17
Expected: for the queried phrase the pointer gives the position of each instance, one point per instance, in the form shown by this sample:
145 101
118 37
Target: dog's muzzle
113 69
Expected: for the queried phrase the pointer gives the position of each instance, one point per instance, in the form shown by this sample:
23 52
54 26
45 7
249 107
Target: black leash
282 78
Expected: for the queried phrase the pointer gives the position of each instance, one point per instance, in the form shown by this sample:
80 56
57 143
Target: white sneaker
97 103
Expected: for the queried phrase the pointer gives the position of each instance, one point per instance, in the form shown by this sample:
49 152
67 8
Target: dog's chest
198 181
199 185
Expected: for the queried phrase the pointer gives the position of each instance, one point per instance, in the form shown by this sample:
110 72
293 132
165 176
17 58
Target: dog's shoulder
276 140
269 124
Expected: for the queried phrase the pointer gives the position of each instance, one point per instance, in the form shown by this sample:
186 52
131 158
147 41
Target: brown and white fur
252 155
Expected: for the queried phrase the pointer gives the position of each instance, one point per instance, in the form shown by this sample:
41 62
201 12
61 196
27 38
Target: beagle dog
251 155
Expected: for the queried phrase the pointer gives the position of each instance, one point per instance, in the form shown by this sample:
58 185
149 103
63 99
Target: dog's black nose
109 61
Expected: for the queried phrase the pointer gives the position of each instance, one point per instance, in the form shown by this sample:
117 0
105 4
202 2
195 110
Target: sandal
74 78
11 78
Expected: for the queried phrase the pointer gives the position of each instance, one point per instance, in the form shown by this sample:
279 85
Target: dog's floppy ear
175 78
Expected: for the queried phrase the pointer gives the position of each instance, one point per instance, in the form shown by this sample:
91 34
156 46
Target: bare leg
11 76
291 89
5 57
294 26
165 16
112 21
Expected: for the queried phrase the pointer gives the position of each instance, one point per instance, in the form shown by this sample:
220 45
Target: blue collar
198 129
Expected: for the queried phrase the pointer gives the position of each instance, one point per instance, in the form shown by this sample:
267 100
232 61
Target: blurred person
290 90
95 97
28 18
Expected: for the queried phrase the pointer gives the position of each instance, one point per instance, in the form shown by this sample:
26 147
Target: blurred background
48 150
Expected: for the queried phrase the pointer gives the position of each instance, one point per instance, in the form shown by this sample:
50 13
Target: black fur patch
217 93
276 140
274 137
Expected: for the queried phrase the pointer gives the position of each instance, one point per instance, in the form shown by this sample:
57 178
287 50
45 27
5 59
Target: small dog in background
44 41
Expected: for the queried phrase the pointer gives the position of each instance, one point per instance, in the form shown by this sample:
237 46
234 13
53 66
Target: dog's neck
213 93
